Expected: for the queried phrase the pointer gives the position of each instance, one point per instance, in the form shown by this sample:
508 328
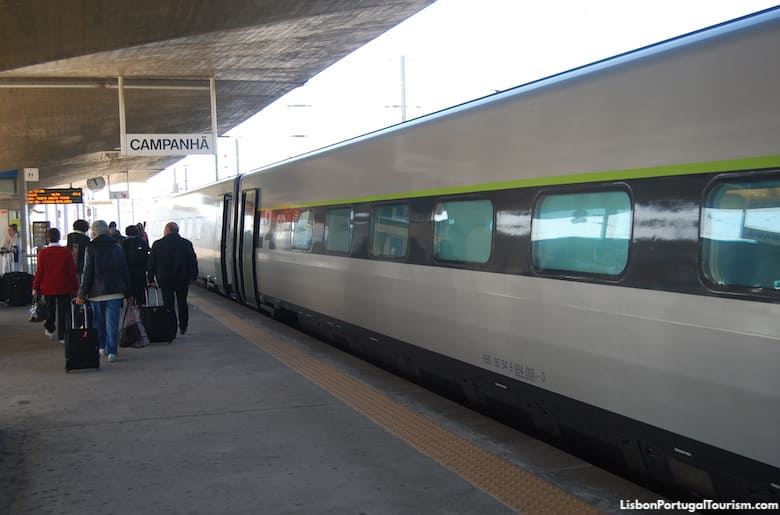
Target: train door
246 247
227 246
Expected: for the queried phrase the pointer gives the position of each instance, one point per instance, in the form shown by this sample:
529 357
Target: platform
245 415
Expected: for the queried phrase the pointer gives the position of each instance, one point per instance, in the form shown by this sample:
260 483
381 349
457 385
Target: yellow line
517 488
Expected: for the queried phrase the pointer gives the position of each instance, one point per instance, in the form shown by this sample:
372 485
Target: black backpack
137 252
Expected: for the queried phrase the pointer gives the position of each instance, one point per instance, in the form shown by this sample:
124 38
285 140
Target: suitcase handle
73 315
156 296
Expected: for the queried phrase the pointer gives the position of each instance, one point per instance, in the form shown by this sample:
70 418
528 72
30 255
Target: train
593 257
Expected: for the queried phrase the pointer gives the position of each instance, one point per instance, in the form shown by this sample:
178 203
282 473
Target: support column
213 95
122 123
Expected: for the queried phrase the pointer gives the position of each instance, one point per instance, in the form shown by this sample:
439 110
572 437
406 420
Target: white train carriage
594 256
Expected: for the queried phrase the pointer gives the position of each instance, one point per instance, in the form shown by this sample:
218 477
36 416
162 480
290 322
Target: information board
39 238
55 196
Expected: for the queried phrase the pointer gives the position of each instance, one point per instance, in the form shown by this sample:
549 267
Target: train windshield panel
740 234
582 232
390 230
338 230
463 231
302 231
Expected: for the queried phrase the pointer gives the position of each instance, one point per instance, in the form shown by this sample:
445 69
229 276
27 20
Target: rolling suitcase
17 288
81 344
158 321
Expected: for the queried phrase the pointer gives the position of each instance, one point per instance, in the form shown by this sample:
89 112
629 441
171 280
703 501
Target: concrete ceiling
257 50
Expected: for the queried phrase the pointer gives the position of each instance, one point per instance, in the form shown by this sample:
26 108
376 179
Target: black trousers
176 297
59 307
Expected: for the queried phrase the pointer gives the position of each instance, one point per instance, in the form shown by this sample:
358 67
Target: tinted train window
302 230
389 230
582 232
463 230
338 230
740 234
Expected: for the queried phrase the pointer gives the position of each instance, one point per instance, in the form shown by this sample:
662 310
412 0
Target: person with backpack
137 254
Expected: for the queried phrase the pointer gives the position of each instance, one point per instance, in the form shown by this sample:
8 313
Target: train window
389 230
463 230
740 234
582 232
338 230
302 230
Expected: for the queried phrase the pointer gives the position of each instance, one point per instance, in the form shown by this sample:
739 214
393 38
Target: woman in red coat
55 279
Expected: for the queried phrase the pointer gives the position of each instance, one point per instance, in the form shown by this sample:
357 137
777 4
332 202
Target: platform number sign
31 174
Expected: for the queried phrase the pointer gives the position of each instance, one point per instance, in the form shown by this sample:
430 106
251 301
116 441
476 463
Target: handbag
38 311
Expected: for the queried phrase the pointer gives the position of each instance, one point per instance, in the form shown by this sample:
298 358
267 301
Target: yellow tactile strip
517 488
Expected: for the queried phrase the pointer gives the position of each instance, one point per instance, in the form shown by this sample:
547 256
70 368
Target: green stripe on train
729 165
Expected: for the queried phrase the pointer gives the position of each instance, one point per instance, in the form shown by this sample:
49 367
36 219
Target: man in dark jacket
137 254
104 283
173 265
77 243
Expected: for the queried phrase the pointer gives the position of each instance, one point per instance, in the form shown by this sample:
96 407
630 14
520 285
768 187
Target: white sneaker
111 358
47 333
102 352
62 341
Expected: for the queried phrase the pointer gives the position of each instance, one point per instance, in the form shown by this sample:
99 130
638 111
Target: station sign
168 144
118 195
55 196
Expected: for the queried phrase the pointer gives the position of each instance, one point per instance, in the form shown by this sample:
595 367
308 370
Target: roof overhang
59 65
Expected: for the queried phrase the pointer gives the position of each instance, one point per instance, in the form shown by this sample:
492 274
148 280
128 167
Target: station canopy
60 63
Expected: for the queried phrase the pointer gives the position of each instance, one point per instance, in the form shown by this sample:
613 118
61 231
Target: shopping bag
132 333
130 336
38 311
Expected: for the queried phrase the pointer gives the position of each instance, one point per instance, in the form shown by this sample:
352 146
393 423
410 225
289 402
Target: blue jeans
106 322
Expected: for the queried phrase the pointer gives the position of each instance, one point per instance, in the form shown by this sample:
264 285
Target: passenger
105 283
55 279
77 243
173 264
142 232
10 251
114 233
137 255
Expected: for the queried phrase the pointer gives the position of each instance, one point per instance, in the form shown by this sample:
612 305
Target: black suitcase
17 288
81 345
159 323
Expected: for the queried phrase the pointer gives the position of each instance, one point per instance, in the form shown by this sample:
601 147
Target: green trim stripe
729 165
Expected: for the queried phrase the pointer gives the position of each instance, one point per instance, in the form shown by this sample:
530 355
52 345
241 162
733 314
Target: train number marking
519 370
